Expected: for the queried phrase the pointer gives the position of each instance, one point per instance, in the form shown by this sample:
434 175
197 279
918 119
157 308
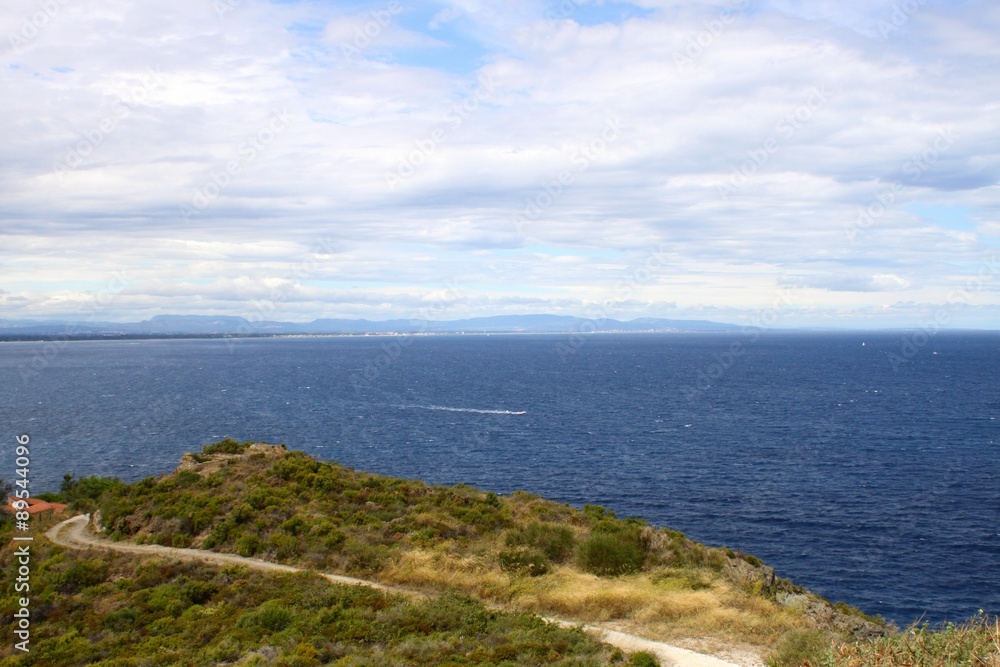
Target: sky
784 163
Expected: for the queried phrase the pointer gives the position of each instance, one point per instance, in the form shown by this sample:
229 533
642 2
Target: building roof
35 505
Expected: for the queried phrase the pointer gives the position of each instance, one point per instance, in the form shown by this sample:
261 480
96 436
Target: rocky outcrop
838 618
749 576
204 464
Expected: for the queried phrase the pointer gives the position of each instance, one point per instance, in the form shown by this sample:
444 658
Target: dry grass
439 570
665 604
975 643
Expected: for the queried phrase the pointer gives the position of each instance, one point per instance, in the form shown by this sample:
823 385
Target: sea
864 466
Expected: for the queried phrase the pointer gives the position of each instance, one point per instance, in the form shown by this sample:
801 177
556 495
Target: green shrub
334 539
643 659
199 592
367 558
83 574
553 540
261 498
79 491
227 446
524 560
188 478
121 620
611 553
247 545
242 513
270 616
597 512
274 618
285 546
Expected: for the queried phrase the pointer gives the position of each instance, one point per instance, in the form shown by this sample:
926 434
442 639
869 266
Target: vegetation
975 643
519 551
83 492
119 610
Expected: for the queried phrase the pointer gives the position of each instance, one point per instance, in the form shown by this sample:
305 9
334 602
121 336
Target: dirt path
72 533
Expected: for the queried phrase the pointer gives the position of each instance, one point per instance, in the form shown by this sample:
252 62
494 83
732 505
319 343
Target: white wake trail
475 410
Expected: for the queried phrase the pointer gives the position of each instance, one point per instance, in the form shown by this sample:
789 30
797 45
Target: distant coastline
207 326
46 338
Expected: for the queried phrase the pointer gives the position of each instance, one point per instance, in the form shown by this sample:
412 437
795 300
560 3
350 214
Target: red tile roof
35 505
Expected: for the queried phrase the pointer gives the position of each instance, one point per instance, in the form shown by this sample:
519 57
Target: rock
838 618
754 578
795 601
208 463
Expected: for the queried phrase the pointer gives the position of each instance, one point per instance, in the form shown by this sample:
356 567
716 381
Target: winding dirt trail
72 533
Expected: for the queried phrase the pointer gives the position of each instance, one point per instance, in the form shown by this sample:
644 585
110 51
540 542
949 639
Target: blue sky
811 163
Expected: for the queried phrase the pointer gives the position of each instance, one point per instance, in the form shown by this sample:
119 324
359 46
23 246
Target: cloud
755 143
882 282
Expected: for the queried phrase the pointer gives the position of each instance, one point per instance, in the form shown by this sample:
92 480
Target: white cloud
733 163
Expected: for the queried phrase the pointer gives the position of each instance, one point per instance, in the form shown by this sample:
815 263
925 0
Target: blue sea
865 466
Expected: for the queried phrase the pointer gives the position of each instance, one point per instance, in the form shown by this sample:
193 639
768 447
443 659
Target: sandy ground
72 533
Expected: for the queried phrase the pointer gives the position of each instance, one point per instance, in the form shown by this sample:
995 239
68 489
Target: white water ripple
476 410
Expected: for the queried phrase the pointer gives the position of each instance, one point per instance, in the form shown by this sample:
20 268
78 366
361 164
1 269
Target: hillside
519 551
463 572
114 610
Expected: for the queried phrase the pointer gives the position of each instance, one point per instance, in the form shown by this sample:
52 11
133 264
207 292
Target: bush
597 512
83 574
270 616
247 545
367 558
121 620
643 659
610 554
553 540
227 446
199 592
274 618
524 560
88 488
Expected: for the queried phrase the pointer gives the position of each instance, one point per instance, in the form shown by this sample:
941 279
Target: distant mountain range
210 325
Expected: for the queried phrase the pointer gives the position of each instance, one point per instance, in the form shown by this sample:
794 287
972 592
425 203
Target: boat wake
475 410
